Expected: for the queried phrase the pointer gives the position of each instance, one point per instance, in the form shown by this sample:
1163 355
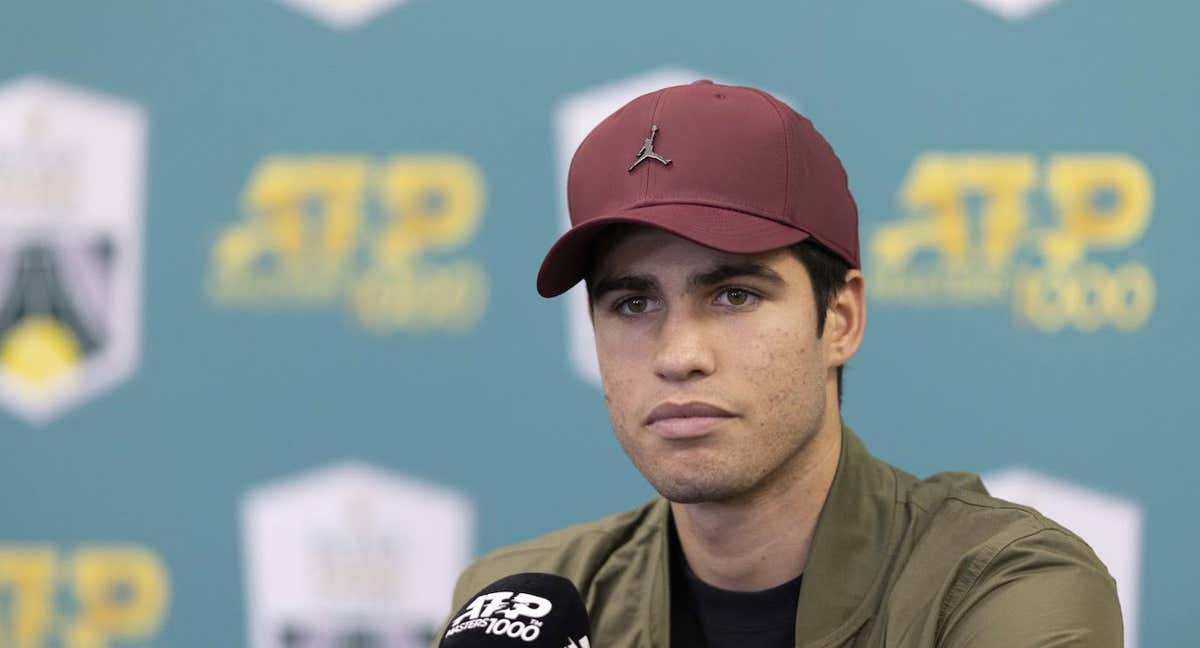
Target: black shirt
703 616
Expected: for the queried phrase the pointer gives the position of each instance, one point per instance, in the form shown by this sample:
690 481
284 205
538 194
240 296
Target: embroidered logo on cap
648 151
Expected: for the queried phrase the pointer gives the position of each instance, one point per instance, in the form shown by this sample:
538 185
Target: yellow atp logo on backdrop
95 596
972 237
378 236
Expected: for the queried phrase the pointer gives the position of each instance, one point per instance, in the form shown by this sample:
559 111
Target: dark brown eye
739 298
635 305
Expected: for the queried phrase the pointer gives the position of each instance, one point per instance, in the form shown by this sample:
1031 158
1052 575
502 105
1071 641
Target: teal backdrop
473 389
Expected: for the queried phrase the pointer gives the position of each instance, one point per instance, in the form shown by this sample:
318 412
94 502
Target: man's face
711 365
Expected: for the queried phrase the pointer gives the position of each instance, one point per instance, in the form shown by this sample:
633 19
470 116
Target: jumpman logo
648 151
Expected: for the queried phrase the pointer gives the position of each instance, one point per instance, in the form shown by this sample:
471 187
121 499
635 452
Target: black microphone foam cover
530 610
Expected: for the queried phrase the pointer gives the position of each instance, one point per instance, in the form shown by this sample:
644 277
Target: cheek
618 380
624 366
620 398
782 367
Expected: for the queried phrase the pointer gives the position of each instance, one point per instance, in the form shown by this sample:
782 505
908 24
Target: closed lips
693 409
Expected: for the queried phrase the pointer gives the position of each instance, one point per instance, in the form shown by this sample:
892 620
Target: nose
683 351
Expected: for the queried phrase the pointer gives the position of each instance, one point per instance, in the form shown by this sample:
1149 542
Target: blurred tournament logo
973 235
380 237
352 556
1014 9
1111 525
72 173
93 596
343 14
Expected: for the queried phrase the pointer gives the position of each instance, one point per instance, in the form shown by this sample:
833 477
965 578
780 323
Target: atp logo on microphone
499 613
507 613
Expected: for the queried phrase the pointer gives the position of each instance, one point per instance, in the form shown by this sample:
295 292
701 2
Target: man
725 293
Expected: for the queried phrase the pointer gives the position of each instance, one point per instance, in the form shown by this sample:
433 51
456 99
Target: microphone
529 610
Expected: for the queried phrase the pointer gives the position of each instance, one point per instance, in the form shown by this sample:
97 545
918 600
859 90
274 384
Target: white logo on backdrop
72 185
343 14
1014 9
352 555
1111 525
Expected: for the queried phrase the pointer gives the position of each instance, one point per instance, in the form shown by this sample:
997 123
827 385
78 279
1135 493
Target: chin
692 476
696 491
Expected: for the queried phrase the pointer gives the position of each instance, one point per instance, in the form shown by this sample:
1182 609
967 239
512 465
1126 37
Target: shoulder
954 507
577 552
977 561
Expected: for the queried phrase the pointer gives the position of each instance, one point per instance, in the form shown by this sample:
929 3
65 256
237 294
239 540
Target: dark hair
827 273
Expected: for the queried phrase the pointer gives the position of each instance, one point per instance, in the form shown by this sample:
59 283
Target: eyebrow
727 271
635 283
723 272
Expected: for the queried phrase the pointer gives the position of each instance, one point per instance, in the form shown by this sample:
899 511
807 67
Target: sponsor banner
381 239
1111 525
72 185
972 235
87 596
352 556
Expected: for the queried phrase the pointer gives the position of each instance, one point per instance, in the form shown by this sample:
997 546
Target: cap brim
726 230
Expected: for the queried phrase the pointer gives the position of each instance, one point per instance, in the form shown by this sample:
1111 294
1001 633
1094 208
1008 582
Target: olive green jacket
895 562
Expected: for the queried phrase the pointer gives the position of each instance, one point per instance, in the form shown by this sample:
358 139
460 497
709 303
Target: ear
846 320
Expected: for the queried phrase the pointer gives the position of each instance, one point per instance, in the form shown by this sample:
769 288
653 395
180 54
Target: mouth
686 420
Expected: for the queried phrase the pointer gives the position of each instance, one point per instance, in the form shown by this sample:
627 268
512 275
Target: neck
762 539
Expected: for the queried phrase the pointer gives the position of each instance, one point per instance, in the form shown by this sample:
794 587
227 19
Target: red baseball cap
729 167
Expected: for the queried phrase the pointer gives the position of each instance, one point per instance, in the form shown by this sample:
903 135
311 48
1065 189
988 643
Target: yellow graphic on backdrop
950 251
94 597
378 236
39 352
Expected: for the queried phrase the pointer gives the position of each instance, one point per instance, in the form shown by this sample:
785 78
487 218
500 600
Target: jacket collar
845 568
851 546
